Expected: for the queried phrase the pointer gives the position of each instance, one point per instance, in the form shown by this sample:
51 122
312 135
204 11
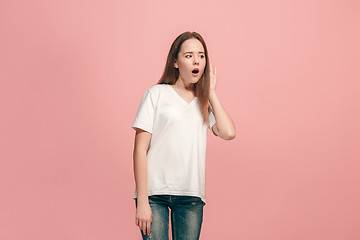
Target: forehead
192 45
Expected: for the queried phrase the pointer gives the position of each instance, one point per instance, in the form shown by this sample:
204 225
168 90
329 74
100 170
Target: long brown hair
171 74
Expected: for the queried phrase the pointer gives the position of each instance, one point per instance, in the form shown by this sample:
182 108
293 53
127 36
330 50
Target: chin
195 80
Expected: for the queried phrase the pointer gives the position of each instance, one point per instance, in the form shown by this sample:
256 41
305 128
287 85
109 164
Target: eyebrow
193 52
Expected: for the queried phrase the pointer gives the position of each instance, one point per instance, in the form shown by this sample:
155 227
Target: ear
175 64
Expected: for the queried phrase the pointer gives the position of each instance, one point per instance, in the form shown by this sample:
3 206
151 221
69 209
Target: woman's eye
188 56
202 56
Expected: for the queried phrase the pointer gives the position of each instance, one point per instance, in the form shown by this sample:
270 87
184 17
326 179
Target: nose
196 61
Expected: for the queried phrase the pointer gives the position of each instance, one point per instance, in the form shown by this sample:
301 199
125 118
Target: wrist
143 200
212 93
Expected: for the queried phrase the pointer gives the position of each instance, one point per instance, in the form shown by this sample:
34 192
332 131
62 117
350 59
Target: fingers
144 218
141 226
148 224
144 226
211 69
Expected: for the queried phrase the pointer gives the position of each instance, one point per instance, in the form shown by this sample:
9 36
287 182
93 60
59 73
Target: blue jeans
186 217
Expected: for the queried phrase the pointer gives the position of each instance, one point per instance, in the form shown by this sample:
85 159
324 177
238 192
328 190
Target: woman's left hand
212 78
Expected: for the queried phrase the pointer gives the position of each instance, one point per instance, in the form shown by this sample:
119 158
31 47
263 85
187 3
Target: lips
195 71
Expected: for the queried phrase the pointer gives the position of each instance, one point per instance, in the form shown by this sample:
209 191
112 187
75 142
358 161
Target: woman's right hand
143 217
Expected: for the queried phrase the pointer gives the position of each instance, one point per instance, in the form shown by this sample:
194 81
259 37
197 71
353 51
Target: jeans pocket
196 201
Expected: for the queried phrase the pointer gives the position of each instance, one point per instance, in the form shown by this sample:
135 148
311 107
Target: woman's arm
224 126
143 210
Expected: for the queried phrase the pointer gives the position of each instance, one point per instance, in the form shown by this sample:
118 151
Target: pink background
72 77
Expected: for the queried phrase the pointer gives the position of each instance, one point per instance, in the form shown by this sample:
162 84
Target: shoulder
157 89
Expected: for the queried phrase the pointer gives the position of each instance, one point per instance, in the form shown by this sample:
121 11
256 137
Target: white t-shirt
177 152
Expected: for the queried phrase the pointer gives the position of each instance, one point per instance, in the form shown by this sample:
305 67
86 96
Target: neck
187 86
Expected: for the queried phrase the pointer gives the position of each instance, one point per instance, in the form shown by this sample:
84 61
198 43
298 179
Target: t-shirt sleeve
145 115
211 118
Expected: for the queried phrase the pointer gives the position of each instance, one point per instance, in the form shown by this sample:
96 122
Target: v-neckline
181 98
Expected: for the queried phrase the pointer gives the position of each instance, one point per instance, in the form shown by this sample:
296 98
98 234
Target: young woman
170 142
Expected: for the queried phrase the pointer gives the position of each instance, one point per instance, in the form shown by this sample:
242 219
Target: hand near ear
212 78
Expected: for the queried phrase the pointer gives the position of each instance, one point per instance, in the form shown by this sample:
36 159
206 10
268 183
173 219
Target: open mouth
195 71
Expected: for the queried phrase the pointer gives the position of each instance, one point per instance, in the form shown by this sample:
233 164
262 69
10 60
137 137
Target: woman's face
191 58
